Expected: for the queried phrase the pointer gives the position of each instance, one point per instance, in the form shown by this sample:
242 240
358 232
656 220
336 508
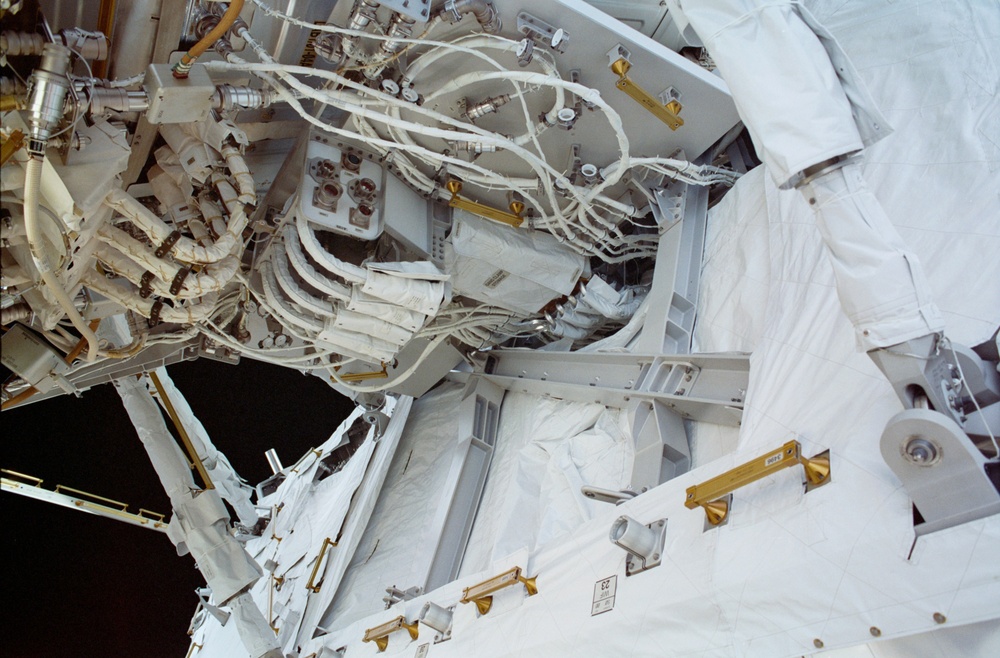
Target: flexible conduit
32 183
182 67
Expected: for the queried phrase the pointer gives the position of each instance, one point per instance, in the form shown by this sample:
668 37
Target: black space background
75 584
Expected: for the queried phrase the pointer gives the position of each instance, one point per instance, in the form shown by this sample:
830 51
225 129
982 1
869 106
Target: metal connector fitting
362 15
103 99
485 12
228 97
488 106
48 86
400 27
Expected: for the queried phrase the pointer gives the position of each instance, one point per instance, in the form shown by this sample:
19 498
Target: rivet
875 631
939 618
818 643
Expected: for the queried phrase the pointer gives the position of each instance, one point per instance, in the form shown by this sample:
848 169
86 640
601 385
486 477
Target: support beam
705 387
660 393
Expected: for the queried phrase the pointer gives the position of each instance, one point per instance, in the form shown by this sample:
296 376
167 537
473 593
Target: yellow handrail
185 439
711 495
482 594
31 478
311 586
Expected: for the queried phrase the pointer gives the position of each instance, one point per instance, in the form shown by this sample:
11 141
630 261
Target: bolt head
920 451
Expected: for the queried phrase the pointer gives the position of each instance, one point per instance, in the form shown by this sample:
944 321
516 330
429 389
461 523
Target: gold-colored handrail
380 634
105 506
711 495
311 585
185 439
159 517
668 113
275 585
482 594
353 377
30 478
512 218
61 487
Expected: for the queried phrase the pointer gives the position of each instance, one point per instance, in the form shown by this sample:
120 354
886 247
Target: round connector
351 161
327 194
326 169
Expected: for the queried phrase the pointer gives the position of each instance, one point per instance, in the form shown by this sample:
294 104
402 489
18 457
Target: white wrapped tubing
361 323
130 258
383 310
348 343
186 249
32 187
880 282
293 291
282 308
308 240
315 278
241 174
415 294
128 297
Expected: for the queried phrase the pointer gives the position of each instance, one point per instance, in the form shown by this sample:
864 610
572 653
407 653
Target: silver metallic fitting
400 27
228 97
13 44
47 95
488 106
484 11
104 99
362 15
474 147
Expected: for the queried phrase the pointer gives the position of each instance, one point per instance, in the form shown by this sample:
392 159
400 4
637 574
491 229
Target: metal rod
311 586
185 439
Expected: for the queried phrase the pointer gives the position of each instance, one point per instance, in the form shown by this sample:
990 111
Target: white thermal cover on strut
415 294
383 310
510 267
224 477
358 322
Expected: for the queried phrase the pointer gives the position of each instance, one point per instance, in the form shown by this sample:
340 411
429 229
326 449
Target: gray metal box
178 100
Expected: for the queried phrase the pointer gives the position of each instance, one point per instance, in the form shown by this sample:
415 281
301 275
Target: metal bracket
538 30
394 595
418 10
940 468
634 565
607 495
